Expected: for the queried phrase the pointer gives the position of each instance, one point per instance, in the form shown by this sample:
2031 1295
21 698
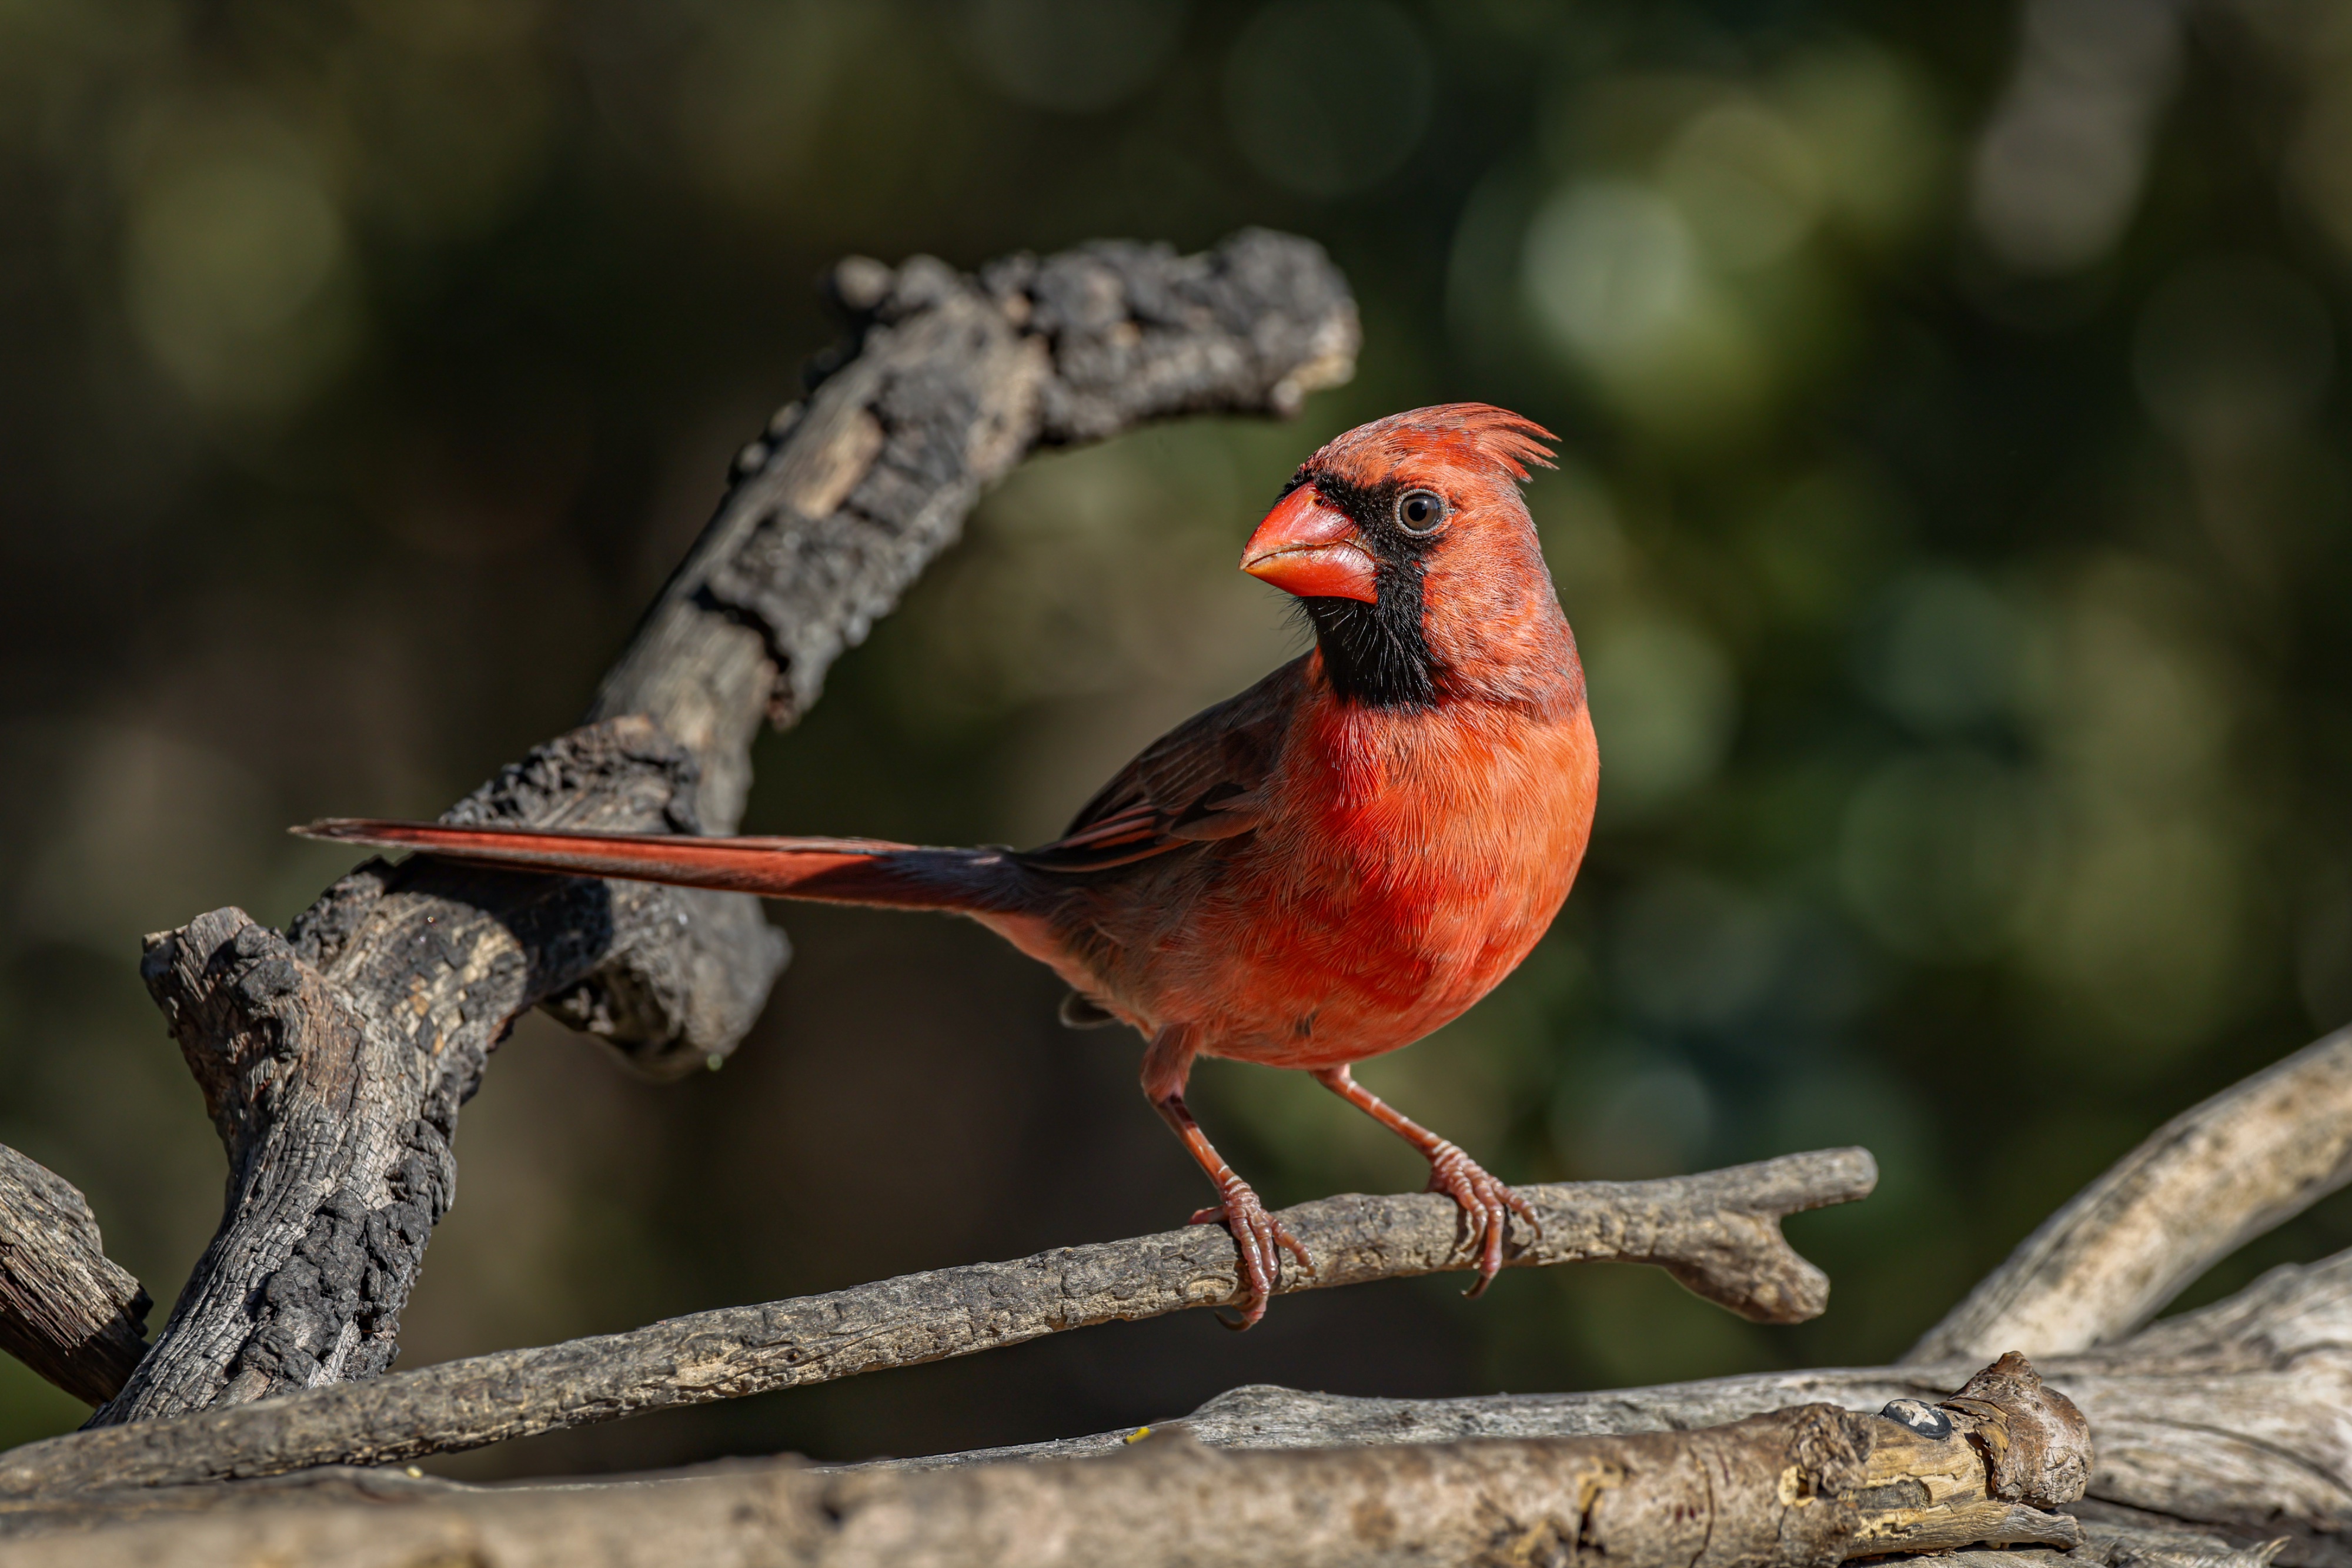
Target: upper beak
1308 547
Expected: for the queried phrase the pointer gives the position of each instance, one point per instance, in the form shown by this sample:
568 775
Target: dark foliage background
1953 510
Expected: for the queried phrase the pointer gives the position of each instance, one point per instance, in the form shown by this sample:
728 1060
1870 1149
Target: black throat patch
1375 654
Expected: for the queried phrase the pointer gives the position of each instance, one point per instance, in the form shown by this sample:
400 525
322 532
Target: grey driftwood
2230 1419
2233 1419
67 1310
1719 1233
1799 1488
2220 1441
334 1057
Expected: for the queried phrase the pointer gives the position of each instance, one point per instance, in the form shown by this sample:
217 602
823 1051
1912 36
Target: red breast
1436 788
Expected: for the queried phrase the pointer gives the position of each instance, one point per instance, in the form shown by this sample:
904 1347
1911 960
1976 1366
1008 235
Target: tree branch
2230 1418
2204 1183
1718 1232
335 1058
66 1310
946 382
1796 1488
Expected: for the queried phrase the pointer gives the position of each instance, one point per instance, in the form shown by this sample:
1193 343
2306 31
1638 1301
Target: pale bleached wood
2236 1418
2232 1417
1719 1233
2204 1183
2128 1545
1803 1488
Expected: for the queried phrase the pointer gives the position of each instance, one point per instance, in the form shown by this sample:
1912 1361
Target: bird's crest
1471 433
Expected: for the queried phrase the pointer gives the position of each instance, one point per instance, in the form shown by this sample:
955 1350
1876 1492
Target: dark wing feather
1200 781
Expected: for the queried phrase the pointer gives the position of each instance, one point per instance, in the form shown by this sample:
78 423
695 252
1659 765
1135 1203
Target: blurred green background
1952 510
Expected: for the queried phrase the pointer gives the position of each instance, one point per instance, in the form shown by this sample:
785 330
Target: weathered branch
2232 1417
67 1311
335 1058
2108 1543
1802 1487
1718 1232
947 382
2202 1185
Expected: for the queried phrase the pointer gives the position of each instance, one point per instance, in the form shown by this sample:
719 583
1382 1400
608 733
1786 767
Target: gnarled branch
67 1311
2230 1418
1802 1487
335 1058
1719 1231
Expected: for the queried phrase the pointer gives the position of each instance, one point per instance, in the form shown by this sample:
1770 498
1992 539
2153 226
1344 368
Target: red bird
1325 867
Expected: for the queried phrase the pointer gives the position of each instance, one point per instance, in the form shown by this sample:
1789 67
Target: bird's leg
1258 1236
1486 1203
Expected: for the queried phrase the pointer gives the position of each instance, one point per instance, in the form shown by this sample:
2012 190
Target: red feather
1299 876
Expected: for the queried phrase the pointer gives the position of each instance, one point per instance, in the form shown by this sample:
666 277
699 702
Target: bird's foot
1262 1240
1485 1203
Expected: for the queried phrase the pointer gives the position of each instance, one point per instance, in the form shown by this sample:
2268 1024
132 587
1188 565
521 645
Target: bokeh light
1327 96
1075 56
1952 511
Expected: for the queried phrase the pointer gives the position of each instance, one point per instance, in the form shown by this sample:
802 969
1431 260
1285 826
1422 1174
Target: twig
1802 1488
334 1059
1718 1232
2202 1185
66 1310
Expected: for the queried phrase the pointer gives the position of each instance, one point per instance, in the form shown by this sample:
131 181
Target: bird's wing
1200 781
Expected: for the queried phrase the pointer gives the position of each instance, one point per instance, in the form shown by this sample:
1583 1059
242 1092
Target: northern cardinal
1324 867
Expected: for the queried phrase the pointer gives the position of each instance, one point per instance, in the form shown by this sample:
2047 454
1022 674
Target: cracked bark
334 1057
1802 1488
2231 1419
1719 1233
67 1311
2220 1442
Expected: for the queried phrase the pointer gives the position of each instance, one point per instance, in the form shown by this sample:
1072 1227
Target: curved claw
1260 1240
1485 1203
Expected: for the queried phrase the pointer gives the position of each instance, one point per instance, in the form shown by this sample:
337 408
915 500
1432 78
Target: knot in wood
1831 1452
2035 1444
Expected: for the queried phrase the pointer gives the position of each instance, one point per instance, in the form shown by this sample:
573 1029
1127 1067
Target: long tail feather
842 871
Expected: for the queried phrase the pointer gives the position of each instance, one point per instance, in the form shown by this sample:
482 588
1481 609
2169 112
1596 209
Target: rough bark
1719 1233
2235 1418
1802 1487
2202 1185
67 1311
948 381
335 1058
2115 1545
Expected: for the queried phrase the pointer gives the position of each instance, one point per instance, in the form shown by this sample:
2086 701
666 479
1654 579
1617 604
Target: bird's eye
1420 511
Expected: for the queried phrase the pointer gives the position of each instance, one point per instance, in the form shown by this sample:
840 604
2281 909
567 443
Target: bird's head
1413 555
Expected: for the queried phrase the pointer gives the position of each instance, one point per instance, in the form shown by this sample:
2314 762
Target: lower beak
1308 547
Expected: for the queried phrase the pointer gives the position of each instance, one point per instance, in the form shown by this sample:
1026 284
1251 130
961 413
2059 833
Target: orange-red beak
1307 547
